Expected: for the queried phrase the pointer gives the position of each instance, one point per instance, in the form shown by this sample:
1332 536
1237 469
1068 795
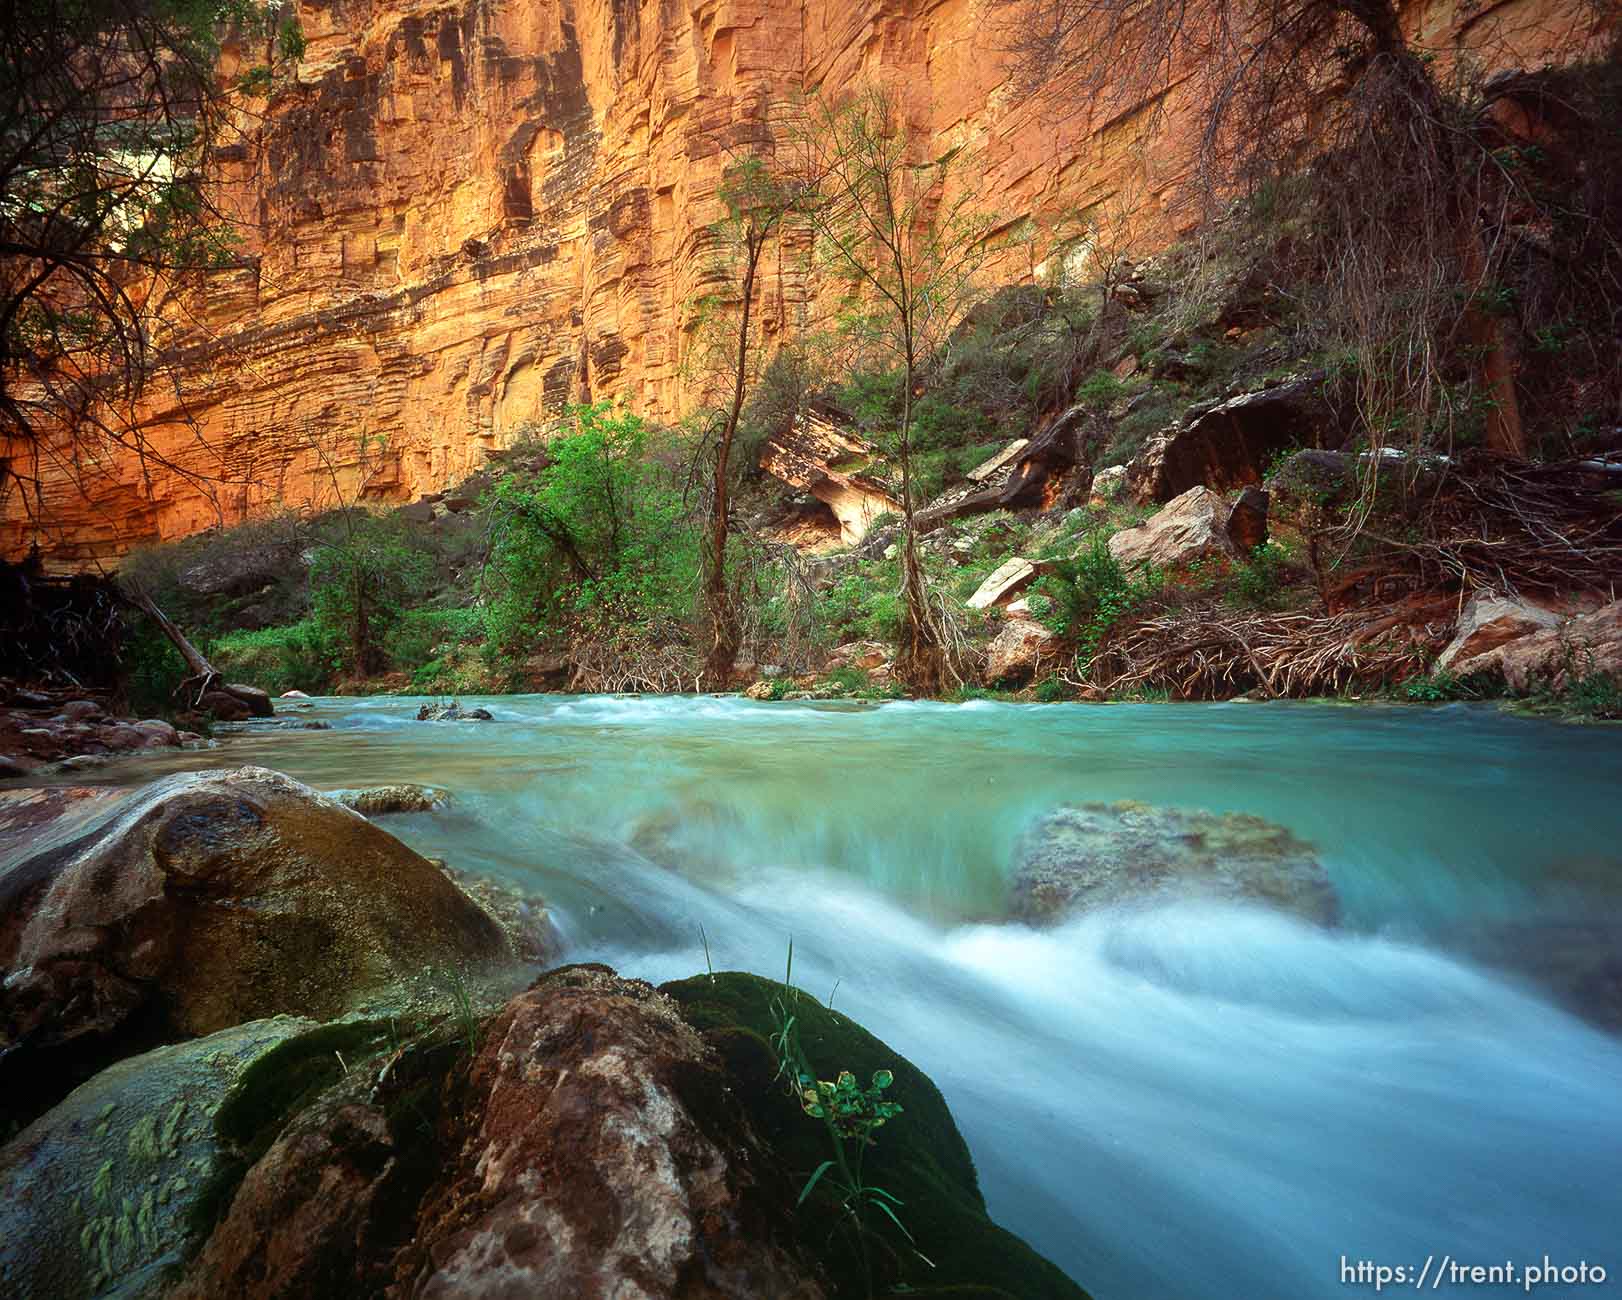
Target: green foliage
153 671
1594 697
300 656
359 585
920 1158
599 528
420 636
1100 390
1051 690
1259 581
1091 593
865 604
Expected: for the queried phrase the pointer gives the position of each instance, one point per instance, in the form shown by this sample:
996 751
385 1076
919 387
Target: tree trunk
920 662
203 674
723 614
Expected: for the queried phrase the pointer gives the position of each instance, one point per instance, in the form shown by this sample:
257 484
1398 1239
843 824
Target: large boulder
590 1149
1194 527
1231 443
205 900
1004 583
1489 621
1550 656
96 1196
1081 857
1018 652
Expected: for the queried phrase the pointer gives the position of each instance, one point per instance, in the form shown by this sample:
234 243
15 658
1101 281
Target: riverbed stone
1081 857
453 712
402 798
95 1195
205 900
1191 528
589 1148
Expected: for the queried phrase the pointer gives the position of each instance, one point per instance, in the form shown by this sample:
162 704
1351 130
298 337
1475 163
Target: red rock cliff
466 212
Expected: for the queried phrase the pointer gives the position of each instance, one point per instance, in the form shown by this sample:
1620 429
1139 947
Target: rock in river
591 1151
95 1194
1081 857
205 900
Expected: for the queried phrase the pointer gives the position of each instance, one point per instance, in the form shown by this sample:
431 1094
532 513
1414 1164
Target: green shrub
360 583
1051 690
1259 581
1099 390
421 635
152 671
1090 593
300 656
601 526
864 604
1592 698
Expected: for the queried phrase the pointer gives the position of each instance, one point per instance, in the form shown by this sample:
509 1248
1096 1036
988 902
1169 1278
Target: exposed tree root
1208 653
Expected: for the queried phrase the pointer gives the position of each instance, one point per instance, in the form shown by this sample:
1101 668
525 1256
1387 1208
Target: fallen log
227 700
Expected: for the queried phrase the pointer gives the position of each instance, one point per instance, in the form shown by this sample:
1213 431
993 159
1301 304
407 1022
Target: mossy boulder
919 1157
96 1196
1085 856
206 900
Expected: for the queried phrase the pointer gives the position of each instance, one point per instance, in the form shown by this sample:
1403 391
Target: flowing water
1191 1100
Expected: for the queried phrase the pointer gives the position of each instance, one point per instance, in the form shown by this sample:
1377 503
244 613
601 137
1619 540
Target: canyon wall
462 214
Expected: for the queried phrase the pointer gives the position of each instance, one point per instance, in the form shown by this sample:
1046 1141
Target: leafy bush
421 635
600 526
300 656
1259 581
1099 390
1090 593
152 671
359 585
863 604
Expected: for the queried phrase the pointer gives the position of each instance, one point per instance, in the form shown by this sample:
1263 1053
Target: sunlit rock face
464 214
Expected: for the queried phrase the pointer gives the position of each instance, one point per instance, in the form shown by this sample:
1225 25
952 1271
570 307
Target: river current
1179 1102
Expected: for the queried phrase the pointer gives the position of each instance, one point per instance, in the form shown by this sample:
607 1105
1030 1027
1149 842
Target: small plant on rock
850 1113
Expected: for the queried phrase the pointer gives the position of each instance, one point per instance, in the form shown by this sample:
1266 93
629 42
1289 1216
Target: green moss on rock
919 1157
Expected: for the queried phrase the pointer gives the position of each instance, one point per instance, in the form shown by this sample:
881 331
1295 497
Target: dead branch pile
1209 653
68 630
1510 526
631 657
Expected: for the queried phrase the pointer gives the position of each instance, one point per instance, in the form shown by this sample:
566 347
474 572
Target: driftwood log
204 687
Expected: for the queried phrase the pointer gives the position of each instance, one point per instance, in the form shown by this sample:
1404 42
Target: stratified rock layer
460 214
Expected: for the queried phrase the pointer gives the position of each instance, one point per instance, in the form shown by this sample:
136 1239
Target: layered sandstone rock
460 214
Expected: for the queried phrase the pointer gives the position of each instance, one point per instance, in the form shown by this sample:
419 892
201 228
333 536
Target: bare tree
909 247
110 111
758 201
1408 191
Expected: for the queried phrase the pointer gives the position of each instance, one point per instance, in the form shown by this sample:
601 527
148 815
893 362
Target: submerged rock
205 900
392 799
95 1195
452 712
1081 857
